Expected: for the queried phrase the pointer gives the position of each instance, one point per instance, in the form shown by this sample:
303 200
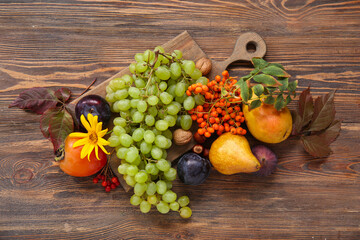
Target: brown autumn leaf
61 124
315 146
324 112
306 107
332 132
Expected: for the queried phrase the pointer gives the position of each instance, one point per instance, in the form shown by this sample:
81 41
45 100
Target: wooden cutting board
247 46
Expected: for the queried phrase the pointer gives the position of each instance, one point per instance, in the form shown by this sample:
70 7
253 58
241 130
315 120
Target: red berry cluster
107 178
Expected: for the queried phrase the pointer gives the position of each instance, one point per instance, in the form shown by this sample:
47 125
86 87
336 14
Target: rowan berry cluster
221 110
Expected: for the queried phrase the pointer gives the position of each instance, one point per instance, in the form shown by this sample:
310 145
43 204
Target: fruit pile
220 111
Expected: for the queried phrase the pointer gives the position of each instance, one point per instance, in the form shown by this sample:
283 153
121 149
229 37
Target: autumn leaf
63 94
61 124
315 146
37 100
332 132
324 112
306 108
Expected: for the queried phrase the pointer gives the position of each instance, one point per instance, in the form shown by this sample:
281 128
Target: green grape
139 57
171 120
156 132
141 177
110 97
177 54
175 69
189 103
149 136
121 94
153 100
160 49
170 174
126 140
164 60
140 83
118 83
202 80
138 163
134 102
164 155
123 167
134 92
135 200
129 180
151 188
132 111
169 196
168 134
163 207
183 201
114 141
156 153
199 99
153 111
161 141
132 154
121 152
138 117
145 206
138 134
181 99
163 165
185 212
123 104
168 185
141 67
161 125
140 188
180 89
174 206
142 106
171 90
148 55
162 73
169 144
128 80
173 108
152 199
132 67
161 187
145 147
149 120
185 122
153 90
163 86
151 169
166 98
161 113
196 74
125 114
132 170
188 66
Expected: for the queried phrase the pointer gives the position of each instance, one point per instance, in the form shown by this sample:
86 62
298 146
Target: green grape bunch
150 102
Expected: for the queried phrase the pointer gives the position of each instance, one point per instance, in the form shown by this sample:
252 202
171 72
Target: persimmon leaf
316 146
324 112
61 124
37 100
63 94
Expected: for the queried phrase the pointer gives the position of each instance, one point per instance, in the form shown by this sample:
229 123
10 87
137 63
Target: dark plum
193 169
267 159
95 105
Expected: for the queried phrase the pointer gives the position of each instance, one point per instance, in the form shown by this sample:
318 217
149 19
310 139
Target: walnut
204 65
182 137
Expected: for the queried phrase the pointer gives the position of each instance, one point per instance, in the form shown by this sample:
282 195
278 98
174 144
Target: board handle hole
251 47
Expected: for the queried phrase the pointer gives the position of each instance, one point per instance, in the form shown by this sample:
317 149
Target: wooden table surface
70 43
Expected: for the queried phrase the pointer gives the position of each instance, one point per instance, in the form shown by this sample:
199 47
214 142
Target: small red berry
113 186
114 180
117 183
104 183
107 188
102 177
95 180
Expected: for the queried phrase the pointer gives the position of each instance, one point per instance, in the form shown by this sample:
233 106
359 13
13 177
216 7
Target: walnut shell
204 65
182 137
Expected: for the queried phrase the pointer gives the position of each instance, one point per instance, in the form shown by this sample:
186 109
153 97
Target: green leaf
287 100
255 104
332 132
223 92
269 100
324 112
259 62
275 71
284 82
277 65
266 79
244 90
271 89
250 93
315 146
292 86
61 124
258 89
306 107
279 102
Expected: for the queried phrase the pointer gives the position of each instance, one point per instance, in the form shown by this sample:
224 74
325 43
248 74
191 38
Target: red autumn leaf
306 107
61 124
45 121
324 112
37 100
63 94
332 132
315 146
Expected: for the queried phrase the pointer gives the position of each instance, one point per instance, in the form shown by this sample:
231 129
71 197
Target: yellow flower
92 139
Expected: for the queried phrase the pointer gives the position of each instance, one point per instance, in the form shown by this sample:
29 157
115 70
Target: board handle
247 46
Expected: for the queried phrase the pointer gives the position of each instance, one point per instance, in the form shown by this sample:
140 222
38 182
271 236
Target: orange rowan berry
193 117
207 134
210 130
233 115
219 132
212 120
233 130
215 126
217 120
221 128
231 122
205 88
219 110
199 120
239 130
243 132
214 113
201 131
217 78
206 116
202 125
198 90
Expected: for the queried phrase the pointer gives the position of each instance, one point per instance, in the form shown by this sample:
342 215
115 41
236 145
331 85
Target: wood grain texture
70 43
